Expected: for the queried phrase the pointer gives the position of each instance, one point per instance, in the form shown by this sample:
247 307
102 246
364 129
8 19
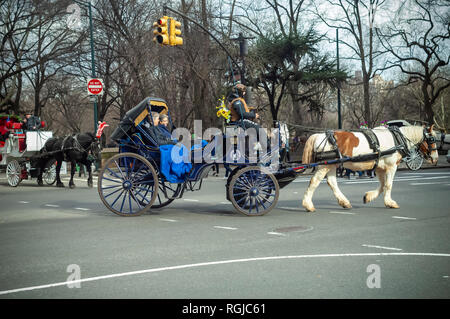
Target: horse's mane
413 133
92 135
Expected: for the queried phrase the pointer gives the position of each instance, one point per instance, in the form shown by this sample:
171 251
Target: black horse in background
82 148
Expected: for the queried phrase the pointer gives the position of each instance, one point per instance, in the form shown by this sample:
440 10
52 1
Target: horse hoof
90 185
60 185
40 183
72 186
365 199
393 206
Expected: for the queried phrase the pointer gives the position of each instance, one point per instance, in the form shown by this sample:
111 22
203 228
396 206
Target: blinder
430 140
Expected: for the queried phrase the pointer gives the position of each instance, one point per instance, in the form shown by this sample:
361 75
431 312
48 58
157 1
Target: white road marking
291 208
381 247
214 263
51 205
168 220
23 202
436 183
190 200
81 208
401 217
275 233
343 213
224 227
225 203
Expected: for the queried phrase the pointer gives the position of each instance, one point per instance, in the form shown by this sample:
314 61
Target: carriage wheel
49 175
415 160
13 173
253 192
126 184
170 189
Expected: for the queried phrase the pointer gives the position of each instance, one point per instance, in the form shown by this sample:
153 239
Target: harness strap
374 143
399 140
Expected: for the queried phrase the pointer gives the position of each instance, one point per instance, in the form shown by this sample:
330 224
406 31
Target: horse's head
428 146
96 147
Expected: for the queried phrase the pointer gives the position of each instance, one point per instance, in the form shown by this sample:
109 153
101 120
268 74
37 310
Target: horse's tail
308 151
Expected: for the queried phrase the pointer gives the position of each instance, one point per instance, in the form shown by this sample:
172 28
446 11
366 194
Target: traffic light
161 31
174 32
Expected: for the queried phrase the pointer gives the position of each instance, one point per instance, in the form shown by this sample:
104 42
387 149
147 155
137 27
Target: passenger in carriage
163 124
156 133
4 134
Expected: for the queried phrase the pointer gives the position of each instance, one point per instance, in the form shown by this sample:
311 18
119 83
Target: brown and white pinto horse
355 143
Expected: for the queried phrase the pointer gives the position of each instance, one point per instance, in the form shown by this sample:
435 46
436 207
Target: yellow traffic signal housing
175 31
161 31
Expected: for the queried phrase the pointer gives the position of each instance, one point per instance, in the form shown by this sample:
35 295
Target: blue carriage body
135 179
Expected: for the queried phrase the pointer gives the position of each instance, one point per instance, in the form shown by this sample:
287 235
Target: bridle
428 144
95 148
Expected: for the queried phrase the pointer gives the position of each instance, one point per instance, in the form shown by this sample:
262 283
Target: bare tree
32 38
418 44
357 19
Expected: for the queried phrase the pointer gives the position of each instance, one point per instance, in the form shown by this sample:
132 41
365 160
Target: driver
240 112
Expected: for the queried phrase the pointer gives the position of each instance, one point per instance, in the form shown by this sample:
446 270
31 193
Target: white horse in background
355 143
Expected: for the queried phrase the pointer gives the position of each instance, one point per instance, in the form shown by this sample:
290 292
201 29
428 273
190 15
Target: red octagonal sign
95 86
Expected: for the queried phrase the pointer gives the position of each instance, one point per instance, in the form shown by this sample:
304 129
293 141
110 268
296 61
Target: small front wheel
49 175
13 173
253 192
415 160
128 184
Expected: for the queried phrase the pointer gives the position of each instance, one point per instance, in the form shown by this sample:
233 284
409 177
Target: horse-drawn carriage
139 178
19 152
146 175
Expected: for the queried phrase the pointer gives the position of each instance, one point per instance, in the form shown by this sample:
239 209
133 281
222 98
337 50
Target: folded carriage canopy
134 117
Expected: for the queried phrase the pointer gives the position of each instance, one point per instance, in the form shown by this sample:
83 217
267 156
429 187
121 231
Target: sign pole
93 62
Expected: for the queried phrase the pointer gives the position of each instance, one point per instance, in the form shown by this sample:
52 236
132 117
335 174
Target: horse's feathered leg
41 166
332 182
59 160
371 195
313 184
72 173
389 179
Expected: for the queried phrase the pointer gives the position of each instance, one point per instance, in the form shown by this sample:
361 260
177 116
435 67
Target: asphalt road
199 247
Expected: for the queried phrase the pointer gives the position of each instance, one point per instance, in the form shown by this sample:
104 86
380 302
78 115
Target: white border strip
213 263
225 227
381 247
401 217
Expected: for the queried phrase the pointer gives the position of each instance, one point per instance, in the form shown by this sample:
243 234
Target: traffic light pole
339 86
204 29
89 7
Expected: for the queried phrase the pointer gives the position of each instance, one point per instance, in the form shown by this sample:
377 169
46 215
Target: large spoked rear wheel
415 160
253 192
128 184
13 173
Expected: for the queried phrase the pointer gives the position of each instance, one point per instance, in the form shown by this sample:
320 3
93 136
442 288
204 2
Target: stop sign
95 86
